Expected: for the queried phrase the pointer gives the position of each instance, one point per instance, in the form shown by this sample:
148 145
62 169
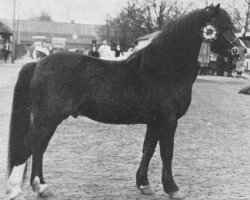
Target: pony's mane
178 34
189 21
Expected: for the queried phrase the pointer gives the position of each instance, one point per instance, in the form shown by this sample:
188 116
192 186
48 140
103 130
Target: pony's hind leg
18 170
14 184
41 136
150 142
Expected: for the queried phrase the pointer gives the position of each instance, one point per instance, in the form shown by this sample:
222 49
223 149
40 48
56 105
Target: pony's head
218 30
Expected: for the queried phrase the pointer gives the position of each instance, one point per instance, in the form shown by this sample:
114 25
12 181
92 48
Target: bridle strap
234 49
231 42
230 30
235 39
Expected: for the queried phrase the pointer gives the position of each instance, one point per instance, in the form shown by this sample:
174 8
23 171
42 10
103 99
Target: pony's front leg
166 148
150 142
40 140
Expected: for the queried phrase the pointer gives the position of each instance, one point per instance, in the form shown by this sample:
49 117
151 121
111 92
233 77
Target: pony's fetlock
141 180
143 184
14 192
35 184
41 189
14 184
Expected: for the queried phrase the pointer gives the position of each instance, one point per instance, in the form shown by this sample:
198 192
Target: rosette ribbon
209 34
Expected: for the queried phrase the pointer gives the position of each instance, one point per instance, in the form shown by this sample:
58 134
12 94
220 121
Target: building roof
4 28
53 27
76 32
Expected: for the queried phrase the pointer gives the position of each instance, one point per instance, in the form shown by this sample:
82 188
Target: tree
239 13
43 16
141 17
247 17
151 15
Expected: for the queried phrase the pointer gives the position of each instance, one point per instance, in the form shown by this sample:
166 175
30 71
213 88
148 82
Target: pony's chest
182 100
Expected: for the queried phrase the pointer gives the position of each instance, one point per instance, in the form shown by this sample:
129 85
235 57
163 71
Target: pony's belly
114 115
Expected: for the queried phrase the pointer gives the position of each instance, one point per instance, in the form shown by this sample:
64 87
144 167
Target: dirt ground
90 160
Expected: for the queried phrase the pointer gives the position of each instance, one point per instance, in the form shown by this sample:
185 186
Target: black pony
152 87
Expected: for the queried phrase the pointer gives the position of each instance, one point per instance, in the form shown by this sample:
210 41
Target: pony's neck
175 50
183 41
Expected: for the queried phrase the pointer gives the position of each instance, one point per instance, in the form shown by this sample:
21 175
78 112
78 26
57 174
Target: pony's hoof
15 193
146 190
18 197
41 189
178 195
45 194
35 184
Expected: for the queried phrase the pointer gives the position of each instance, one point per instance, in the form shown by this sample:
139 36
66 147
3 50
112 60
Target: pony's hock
152 87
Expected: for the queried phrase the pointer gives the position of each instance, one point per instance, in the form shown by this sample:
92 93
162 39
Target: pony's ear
209 8
217 9
213 11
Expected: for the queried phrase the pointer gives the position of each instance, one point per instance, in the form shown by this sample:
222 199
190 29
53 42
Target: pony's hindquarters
19 127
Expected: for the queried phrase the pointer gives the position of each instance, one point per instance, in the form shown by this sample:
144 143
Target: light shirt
105 52
7 46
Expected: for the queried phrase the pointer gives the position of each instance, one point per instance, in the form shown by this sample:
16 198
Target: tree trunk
247 19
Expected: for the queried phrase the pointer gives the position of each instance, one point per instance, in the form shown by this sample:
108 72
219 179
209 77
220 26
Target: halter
234 50
209 34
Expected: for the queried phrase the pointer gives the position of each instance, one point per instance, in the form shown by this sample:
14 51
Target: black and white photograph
125 99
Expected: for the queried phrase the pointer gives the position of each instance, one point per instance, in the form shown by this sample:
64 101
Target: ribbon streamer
204 54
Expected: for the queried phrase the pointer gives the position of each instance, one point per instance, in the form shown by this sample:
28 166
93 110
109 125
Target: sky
81 11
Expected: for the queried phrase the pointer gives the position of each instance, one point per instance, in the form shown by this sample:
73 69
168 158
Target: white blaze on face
242 43
241 64
242 50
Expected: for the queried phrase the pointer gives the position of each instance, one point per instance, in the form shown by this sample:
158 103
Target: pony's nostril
245 51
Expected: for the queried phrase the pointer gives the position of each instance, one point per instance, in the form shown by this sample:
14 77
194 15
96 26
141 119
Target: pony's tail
20 118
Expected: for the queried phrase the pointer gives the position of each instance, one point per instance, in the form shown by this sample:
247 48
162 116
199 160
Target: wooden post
18 24
13 33
247 19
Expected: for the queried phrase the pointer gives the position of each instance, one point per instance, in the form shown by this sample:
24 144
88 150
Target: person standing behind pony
93 52
6 51
105 51
118 51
